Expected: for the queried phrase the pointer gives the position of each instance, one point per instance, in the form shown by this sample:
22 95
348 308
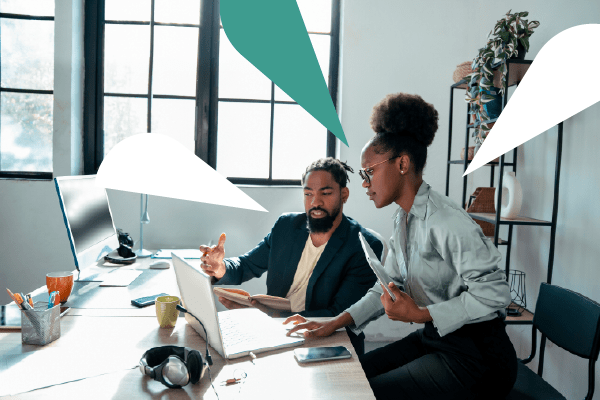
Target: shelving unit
516 71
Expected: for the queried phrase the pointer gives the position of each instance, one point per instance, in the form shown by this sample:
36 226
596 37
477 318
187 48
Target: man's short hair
338 169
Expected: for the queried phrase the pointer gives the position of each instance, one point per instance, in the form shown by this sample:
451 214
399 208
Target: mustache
317 209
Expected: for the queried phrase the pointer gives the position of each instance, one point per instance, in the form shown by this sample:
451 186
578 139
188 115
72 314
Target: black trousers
477 361
358 342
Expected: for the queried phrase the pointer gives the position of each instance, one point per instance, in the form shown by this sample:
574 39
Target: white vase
512 196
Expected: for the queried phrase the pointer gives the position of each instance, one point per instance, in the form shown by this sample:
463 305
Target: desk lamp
144 219
159 165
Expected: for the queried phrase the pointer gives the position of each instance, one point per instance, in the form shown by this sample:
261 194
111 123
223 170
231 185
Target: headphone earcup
125 251
195 365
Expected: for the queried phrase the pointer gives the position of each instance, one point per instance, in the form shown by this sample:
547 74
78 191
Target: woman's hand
404 308
313 328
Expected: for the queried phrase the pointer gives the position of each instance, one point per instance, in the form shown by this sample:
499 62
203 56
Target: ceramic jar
512 196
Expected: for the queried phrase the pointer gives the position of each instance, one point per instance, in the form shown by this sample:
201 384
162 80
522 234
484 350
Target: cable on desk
208 357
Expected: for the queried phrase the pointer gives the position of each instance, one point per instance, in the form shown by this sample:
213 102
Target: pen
29 300
24 304
52 299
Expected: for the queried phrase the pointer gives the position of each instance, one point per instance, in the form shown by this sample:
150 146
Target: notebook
232 333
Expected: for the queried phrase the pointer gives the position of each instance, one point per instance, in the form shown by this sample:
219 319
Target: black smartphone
147 300
313 354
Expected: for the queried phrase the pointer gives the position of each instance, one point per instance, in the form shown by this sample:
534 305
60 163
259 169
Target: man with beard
314 258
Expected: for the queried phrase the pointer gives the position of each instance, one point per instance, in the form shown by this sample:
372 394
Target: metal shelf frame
519 68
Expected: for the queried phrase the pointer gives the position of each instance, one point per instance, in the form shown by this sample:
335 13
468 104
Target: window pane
44 8
316 15
179 12
127 54
321 45
298 140
244 140
175 60
238 78
26 140
127 10
123 117
175 118
27 54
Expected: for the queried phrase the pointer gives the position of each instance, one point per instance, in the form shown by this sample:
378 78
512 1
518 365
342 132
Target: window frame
28 175
207 100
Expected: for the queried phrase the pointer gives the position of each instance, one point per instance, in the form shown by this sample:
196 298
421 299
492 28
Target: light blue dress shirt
440 257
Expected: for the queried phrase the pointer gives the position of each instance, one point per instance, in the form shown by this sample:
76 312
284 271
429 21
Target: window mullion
271 131
150 69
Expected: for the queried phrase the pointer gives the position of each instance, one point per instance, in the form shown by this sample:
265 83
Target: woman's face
385 184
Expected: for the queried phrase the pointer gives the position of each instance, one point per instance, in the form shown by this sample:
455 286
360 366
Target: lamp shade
159 165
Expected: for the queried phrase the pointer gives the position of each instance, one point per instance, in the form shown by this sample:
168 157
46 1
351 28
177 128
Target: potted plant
508 39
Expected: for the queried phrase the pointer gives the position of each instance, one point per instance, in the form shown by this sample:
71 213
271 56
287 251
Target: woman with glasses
444 274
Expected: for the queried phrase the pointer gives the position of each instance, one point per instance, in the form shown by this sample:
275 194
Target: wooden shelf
501 242
526 317
519 220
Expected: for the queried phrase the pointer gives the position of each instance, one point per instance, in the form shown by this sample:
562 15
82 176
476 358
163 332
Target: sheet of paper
189 254
21 373
120 278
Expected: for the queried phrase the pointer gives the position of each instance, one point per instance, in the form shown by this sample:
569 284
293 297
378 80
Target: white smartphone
313 354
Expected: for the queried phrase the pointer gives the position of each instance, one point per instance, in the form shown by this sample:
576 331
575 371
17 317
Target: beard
323 224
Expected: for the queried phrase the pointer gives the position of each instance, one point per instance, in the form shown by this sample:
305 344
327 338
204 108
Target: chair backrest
383 241
568 319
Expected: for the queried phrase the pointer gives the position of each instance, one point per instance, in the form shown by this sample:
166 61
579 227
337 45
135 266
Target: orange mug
61 281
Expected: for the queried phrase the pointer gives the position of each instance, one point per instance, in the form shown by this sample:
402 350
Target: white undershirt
297 292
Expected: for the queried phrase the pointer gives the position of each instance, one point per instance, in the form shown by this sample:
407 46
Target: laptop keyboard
238 333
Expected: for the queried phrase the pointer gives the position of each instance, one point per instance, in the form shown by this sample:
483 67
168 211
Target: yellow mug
166 311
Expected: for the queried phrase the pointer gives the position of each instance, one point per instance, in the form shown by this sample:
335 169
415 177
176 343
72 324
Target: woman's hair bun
405 115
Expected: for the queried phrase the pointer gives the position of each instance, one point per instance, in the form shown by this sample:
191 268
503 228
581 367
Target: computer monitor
87 217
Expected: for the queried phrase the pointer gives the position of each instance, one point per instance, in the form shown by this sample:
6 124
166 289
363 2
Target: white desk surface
275 375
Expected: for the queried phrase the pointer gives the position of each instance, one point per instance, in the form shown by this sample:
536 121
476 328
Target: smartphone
147 300
313 354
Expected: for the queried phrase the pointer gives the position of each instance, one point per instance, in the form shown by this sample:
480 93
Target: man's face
323 200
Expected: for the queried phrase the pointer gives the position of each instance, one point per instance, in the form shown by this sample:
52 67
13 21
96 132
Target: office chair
383 241
570 321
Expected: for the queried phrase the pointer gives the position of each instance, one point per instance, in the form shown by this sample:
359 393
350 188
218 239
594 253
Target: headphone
173 366
127 255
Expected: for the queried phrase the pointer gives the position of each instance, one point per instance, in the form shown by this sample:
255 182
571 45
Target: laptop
232 333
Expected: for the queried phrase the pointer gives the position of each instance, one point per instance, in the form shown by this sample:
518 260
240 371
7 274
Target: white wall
388 46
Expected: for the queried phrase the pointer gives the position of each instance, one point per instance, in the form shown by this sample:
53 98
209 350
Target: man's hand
232 305
404 308
212 259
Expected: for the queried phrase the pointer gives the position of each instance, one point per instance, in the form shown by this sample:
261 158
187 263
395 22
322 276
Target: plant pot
512 196
521 52
470 153
494 107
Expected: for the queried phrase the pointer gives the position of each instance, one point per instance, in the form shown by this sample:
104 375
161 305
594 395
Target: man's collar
419 206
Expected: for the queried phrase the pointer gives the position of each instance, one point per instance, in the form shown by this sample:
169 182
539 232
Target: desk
275 374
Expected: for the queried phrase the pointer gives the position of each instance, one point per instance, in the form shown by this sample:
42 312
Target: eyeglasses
366 173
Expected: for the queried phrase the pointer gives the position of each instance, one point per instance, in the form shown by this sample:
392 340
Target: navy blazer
341 277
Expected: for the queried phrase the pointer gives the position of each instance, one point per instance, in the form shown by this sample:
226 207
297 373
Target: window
263 135
167 67
26 88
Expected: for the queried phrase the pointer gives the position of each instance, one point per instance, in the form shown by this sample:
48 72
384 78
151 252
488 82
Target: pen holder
40 325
